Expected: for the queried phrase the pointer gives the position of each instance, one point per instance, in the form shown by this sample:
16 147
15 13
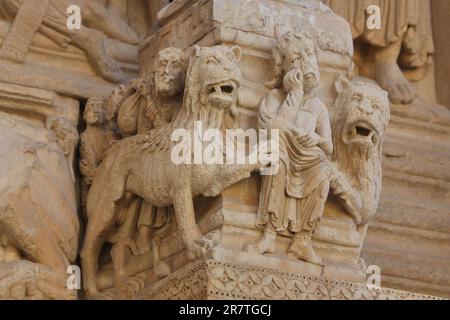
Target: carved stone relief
293 199
39 226
112 210
106 36
399 51
143 226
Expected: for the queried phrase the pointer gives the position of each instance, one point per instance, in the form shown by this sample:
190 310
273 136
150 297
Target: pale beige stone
404 42
293 199
165 183
38 221
440 12
379 194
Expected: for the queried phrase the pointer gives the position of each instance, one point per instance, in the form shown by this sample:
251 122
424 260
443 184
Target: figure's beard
310 81
360 161
167 88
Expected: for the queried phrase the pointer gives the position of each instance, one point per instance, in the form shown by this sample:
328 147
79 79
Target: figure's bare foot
97 16
301 249
390 77
93 43
266 244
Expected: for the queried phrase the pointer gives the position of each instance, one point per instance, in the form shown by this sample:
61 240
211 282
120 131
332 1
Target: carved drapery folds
121 193
154 228
39 228
109 34
404 40
328 154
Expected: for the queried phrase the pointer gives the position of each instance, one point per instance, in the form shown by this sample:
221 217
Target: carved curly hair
279 53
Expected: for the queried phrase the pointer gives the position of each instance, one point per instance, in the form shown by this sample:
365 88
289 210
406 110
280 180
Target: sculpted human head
170 72
94 112
297 51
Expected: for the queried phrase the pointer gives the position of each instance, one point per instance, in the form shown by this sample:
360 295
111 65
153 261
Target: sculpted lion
140 167
359 120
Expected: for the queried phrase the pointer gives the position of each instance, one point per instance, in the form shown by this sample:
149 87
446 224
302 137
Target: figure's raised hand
312 140
293 81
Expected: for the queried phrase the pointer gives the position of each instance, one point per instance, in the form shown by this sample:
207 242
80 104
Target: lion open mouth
362 132
223 93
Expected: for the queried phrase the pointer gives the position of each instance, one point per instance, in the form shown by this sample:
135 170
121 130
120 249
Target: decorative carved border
218 280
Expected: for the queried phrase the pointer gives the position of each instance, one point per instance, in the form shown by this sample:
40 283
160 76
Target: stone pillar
441 15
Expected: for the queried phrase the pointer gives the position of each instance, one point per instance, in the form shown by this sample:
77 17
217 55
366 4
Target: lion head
212 83
359 120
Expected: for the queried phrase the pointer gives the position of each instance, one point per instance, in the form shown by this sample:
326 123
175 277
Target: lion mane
359 120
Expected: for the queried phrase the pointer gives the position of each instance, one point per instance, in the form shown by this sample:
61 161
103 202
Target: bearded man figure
401 49
292 201
136 108
145 104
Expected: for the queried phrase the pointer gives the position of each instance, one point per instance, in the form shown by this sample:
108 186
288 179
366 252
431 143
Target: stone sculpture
360 117
140 167
155 229
39 224
94 141
404 42
136 108
292 201
150 102
49 17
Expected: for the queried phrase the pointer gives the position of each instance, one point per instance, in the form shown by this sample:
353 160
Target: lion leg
185 217
121 250
95 236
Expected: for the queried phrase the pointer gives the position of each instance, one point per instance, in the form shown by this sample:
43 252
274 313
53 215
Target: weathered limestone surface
400 218
86 164
38 202
440 10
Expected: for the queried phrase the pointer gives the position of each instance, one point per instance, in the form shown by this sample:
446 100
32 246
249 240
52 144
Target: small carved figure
65 134
143 105
136 108
292 201
140 167
93 143
360 119
95 139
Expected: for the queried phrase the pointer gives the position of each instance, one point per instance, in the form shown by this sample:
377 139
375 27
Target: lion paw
204 244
